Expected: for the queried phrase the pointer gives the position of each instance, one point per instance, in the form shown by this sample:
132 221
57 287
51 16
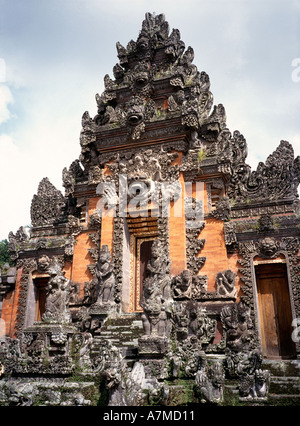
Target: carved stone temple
167 273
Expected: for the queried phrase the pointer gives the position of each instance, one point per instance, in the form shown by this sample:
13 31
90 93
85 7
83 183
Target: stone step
124 331
282 368
284 400
284 385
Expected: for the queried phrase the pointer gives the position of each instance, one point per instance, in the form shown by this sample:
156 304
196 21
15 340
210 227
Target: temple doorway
275 314
143 255
143 231
40 288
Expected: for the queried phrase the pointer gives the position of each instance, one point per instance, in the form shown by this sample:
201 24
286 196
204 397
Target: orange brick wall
107 227
93 204
177 240
107 232
10 308
6 316
214 250
81 259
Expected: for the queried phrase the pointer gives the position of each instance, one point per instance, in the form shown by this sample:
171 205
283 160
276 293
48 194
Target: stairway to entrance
285 382
124 332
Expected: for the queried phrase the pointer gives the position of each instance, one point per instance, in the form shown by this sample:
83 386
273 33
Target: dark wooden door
274 311
41 291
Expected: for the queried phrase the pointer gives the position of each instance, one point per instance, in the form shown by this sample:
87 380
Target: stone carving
225 283
192 357
182 285
17 393
158 394
15 241
243 360
137 72
57 297
223 209
230 235
156 298
278 178
194 246
10 353
238 326
153 122
192 322
48 205
268 247
255 387
43 263
266 223
106 279
210 382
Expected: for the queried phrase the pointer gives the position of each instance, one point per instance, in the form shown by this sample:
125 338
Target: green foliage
201 154
4 253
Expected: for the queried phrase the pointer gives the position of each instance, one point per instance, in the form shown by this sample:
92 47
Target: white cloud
15 187
6 98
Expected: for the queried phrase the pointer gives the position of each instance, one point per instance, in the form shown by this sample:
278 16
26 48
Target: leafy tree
4 253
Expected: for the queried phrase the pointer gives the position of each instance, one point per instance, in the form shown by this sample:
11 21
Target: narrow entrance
40 297
143 256
275 312
142 232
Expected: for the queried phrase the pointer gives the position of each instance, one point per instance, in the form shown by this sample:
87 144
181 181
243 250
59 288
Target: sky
54 55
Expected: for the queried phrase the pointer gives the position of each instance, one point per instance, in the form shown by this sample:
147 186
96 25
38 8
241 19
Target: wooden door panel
274 311
268 319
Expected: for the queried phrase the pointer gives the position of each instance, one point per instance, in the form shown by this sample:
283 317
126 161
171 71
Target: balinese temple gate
168 271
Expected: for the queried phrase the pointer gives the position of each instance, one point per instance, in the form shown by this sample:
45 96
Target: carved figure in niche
105 275
237 324
199 286
200 324
74 293
57 297
210 383
225 282
181 285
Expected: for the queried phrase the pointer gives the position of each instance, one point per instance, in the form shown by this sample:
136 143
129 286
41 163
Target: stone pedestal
153 346
98 313
47 348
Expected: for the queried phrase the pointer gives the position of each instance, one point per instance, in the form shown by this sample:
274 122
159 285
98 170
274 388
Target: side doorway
275 313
